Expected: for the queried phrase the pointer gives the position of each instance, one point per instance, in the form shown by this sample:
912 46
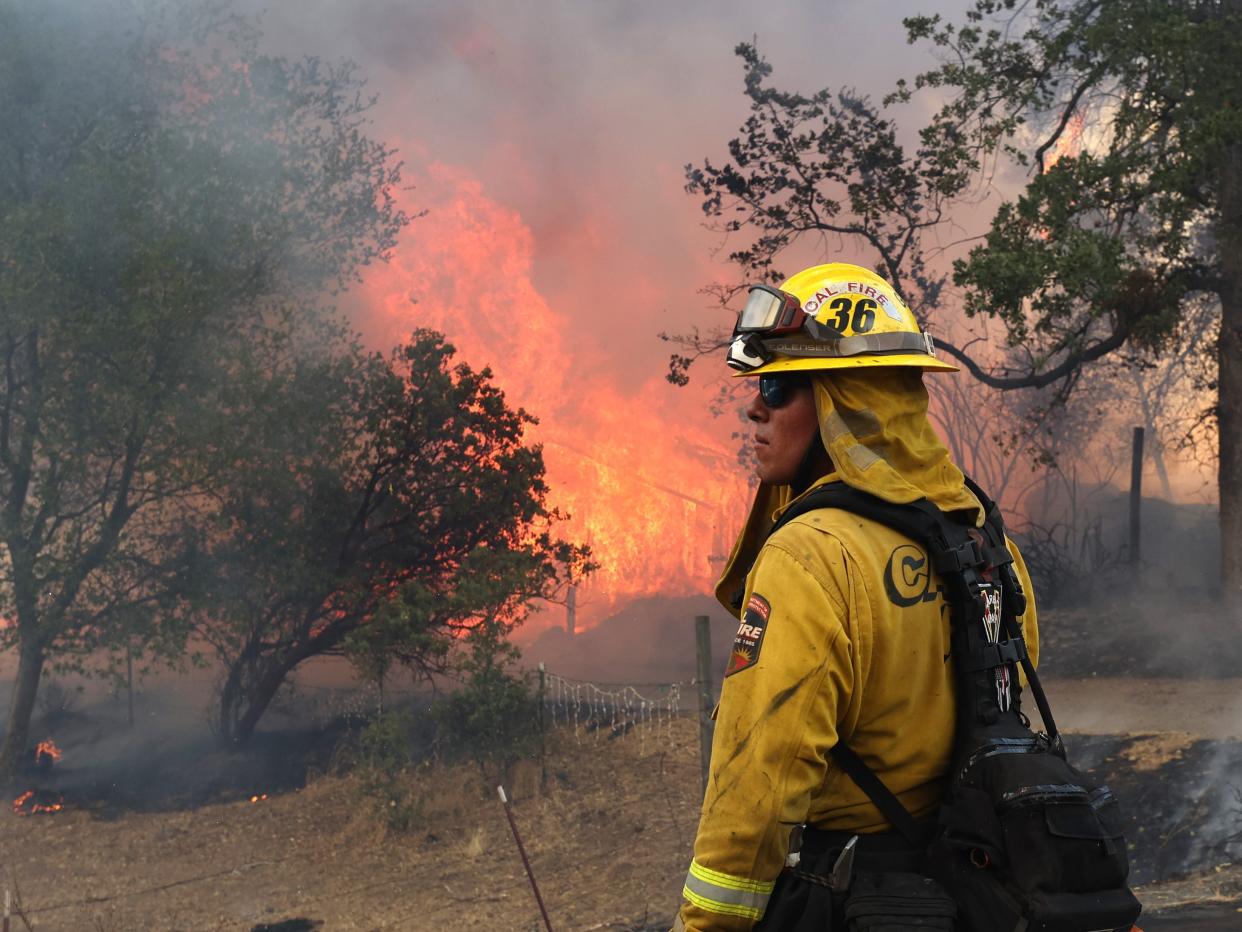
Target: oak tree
170 199
399 511
1114 247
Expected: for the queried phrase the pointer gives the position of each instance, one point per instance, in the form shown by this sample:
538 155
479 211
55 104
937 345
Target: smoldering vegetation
1182 799
168 759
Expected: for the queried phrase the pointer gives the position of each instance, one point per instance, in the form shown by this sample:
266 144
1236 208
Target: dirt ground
1112 705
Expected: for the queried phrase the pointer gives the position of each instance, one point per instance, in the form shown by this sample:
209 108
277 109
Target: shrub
384 764
492 719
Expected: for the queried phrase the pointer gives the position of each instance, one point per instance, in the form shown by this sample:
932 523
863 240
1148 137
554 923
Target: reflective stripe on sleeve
726 894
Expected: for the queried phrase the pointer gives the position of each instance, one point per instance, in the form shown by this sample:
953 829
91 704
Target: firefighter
844 633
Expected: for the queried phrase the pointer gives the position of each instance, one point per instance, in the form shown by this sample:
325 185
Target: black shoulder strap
912 520
884 798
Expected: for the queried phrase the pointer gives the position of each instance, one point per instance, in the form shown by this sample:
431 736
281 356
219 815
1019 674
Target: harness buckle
966 555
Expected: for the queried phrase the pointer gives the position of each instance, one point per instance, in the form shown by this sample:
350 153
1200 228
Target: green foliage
1106 247
172 205
1116 246
1115 239
493 718
384 771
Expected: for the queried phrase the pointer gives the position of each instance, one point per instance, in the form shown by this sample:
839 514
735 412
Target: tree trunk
1228 234
231 696
29 669
249 688
1229 474
1156 447
1229 405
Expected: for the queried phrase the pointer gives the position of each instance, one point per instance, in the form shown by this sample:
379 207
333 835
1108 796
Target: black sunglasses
777 388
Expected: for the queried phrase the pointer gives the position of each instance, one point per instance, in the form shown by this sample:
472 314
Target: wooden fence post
703 639
1136 496
543 754
129 677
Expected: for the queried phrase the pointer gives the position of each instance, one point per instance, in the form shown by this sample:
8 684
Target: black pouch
896 902
1051 857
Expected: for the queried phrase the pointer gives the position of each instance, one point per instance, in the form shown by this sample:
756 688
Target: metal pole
703 640
525 860
1136 495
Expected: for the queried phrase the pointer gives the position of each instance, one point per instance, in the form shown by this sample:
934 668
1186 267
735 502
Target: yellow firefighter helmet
834 316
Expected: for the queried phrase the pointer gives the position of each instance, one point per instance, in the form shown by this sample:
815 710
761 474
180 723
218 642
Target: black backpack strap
919 520
1032 681
1015 605
883 798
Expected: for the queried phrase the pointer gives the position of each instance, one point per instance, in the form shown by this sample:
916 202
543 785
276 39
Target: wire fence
590 711
607 711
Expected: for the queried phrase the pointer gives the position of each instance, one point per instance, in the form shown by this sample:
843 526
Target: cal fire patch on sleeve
749 635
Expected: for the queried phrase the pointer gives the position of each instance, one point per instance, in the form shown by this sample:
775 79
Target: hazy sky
547 141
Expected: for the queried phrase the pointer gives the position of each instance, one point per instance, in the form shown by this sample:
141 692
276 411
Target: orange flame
28 804
650 481
259 798
46 752
1069 143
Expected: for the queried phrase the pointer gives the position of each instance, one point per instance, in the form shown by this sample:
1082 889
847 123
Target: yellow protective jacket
844 636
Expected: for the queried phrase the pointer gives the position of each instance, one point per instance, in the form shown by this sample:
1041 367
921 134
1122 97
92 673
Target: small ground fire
34 802
47 754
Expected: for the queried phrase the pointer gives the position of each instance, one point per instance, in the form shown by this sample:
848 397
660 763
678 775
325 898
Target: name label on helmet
836 289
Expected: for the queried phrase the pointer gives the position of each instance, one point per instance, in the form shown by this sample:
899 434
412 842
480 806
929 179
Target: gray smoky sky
579 116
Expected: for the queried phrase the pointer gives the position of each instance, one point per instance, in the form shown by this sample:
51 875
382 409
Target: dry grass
1222 885
608 835
1151 752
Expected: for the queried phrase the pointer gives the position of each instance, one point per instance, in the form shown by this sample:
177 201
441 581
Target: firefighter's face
782 434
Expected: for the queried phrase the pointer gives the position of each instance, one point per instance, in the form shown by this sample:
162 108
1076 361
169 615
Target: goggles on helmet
776 388
770 310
